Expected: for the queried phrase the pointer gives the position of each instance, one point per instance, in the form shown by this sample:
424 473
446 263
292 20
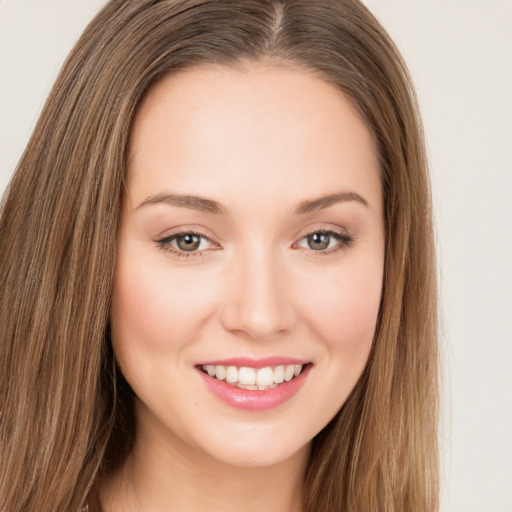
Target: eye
185 243
325 241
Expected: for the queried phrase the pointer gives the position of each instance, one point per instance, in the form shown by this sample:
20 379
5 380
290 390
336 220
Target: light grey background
460 55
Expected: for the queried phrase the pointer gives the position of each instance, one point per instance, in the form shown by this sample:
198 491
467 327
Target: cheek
344 311
154 310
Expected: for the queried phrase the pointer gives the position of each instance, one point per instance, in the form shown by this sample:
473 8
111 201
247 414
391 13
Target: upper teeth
253 378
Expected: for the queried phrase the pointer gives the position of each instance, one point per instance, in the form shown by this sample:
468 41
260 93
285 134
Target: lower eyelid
169 244
342 238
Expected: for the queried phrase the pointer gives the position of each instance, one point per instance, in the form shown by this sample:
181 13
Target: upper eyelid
340 235
164 243
185 231
342 232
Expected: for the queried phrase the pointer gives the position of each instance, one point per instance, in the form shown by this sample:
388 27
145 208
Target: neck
169 475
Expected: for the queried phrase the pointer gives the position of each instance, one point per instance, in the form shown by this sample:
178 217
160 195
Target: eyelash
344 240
165 244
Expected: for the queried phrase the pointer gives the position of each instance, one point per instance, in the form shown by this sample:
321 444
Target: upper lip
255 362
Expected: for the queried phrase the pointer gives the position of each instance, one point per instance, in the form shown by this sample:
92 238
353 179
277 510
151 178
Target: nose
258 303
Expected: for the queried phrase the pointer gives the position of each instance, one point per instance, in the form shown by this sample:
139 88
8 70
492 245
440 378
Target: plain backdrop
460 56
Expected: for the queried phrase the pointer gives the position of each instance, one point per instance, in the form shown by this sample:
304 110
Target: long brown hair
66 413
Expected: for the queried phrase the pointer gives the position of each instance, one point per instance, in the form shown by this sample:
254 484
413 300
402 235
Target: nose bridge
258 303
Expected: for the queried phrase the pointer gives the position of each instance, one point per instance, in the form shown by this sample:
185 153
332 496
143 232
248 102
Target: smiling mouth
261 379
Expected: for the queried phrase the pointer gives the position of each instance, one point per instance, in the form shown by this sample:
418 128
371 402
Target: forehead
250 130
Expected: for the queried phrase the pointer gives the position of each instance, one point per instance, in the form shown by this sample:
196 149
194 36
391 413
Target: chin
253 445
254 455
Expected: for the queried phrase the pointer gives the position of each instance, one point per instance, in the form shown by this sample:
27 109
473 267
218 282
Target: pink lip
255 363
250 400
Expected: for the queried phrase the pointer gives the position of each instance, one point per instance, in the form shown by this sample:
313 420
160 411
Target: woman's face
252 249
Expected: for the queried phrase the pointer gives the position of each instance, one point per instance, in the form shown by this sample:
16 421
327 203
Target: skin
260 140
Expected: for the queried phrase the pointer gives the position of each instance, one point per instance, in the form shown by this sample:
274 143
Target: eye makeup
189 243
186 243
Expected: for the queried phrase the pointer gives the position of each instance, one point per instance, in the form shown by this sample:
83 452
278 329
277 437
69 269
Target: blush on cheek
156 308
133 309
347 313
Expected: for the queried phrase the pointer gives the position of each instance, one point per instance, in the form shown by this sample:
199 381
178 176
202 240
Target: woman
217 278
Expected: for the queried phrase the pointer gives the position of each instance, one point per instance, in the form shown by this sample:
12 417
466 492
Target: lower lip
251 400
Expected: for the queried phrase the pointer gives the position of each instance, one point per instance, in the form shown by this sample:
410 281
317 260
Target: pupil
318 241
188 242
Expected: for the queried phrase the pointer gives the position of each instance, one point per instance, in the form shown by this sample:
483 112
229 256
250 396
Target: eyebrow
187 201
211 206
320 203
